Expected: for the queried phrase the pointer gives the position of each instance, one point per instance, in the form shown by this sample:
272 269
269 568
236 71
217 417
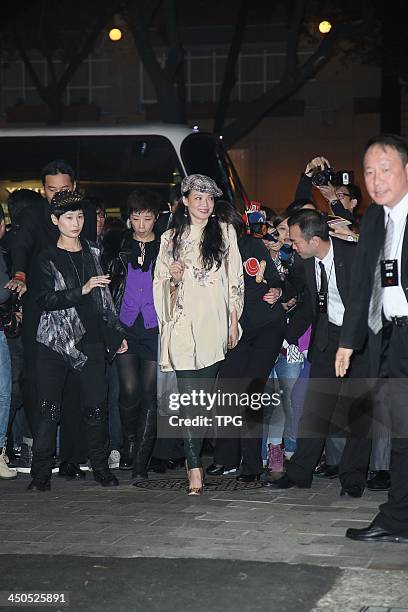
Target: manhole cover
382 609
212 484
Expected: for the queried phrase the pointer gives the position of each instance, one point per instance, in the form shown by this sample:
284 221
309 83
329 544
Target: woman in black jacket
132 291
78 326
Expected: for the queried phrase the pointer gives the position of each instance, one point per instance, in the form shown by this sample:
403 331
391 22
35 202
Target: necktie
321 337
376 301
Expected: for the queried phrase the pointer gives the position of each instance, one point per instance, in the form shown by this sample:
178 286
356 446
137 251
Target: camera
264 230
256 224
322 178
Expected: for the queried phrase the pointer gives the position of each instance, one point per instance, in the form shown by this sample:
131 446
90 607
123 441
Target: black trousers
73 447
52 378
246 369
334 407
393 515
16 354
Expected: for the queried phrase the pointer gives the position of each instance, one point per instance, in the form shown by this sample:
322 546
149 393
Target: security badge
322 302
389 272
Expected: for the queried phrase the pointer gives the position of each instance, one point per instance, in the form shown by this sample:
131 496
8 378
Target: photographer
341 194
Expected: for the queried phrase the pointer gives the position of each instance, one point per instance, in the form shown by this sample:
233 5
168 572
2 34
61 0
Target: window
204 72
89 85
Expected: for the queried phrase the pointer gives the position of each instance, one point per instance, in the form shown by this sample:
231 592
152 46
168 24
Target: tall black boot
147 431
128 451
128 417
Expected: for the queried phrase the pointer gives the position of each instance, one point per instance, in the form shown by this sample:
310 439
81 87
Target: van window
107 167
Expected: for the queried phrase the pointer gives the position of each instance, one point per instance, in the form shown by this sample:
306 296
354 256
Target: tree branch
253 112
293 36
139 19
175 56
51 69
85 48
29 66
230 77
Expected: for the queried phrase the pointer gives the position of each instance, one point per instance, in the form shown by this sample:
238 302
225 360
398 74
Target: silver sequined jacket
60 327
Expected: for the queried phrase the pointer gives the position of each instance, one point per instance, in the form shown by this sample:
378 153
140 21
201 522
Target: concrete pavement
301 528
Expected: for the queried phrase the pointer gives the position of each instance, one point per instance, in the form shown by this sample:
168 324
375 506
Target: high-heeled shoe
195 490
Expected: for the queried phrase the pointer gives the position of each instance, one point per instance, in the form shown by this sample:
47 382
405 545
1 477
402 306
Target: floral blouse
194 326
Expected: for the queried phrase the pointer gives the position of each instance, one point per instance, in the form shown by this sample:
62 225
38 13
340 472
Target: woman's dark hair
20 199
227 213
142 200
66 201
355 193
97 203
282 216
212 246
113 224
270 214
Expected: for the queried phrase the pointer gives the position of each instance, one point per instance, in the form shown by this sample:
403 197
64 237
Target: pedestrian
131 272
78 325
36 232
379 308
198 294
5 364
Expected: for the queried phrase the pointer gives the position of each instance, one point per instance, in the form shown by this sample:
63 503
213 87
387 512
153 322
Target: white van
111 161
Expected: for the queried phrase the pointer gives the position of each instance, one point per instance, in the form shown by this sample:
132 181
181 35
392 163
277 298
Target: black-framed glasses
342 195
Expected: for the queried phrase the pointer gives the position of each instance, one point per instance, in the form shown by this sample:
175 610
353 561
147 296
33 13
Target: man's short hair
311 223
57 166
355 193
390 140
298 204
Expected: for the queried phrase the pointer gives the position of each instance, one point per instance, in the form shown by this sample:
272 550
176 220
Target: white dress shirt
335 306
394 301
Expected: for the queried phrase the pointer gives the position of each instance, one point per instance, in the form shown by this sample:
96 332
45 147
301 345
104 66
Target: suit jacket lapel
310 277
404 258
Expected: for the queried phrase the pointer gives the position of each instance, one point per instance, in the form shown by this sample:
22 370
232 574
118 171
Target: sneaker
275 458
23 463
5 471
114 459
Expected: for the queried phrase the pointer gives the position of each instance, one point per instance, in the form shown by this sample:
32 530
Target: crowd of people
100 319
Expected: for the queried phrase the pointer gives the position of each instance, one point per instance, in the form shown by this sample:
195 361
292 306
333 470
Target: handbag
11 317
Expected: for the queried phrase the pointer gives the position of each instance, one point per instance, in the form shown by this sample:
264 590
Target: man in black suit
36 233
380 306
332 407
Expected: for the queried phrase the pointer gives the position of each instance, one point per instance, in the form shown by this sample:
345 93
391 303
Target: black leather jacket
115 262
